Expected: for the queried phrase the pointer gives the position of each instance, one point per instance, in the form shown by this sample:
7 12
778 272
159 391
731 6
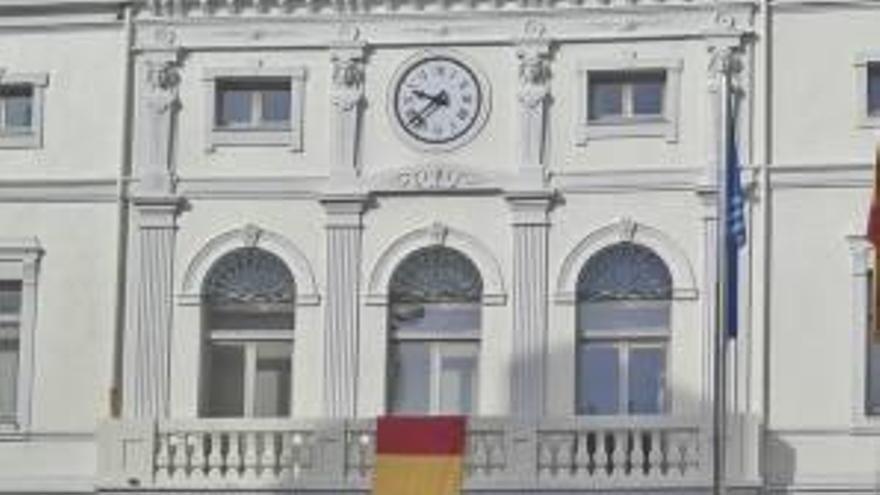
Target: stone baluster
581 453
638 455
233 457
197 458
251 459
163 458
215 457
180 457
269 457
287 465
655 454
601 457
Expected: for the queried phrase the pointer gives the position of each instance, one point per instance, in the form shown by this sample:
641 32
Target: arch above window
249 236
681 275
436 274
379 282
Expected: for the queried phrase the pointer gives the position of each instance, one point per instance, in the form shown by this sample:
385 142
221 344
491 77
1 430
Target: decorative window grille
624 296
248 301
434 329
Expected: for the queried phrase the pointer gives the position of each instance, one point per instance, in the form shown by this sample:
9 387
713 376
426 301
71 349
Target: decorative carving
163 78
438 232
433 177
627 229
250 234
348 78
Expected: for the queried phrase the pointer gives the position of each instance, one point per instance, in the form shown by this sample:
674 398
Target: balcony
502 454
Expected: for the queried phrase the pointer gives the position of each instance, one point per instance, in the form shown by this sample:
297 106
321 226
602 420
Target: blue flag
735 230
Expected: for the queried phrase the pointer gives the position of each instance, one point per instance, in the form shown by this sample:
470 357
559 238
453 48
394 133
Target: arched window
434 331
624 296
248 313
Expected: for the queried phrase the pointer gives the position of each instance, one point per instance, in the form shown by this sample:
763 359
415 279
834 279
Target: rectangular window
874 90
626 96
10 328
17 108
253 103
872 388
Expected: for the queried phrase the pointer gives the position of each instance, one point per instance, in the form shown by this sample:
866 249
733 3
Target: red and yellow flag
419 455
874 237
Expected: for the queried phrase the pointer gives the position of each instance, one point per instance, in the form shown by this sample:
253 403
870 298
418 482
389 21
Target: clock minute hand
440 98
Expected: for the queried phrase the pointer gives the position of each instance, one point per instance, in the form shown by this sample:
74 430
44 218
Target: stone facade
114 211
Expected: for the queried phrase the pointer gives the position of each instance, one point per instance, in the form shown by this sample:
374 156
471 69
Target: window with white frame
628 97
248 301
253 104
254 107
21 102
620 97
19 260
434 320
624 299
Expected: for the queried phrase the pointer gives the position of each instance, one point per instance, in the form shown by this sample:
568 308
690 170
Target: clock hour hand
438 100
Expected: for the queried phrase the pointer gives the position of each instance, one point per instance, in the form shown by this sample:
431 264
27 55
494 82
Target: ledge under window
254 106
628 97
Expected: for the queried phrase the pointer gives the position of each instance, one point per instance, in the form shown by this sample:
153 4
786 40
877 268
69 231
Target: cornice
468 23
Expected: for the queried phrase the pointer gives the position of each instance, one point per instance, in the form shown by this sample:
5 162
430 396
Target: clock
438 102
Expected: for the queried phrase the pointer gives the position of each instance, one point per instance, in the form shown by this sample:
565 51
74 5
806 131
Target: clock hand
438 100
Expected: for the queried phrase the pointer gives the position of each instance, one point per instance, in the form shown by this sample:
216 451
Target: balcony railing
339 455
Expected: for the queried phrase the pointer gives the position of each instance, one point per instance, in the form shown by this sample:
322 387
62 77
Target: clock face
438 100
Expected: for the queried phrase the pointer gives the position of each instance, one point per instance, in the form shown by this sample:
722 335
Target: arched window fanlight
624 301
434 332
248 306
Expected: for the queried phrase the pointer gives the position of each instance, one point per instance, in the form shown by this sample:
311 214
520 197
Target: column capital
157 211
344 209
530 207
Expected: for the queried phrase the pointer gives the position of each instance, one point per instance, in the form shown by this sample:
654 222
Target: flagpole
719 409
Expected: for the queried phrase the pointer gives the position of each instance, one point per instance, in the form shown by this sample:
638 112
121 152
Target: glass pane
233 107
458 379
225 380
415 318
409 380
606 99
272 387
874 378
10 297
19 113
598 379
276 106
874 89
648 97
249 320
8 379
636 316
436 274
249 288
647 369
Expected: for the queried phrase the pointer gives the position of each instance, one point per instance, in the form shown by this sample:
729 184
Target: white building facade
234 232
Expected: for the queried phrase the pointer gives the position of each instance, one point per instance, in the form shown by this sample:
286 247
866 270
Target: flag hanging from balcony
735 230
874 238
419 455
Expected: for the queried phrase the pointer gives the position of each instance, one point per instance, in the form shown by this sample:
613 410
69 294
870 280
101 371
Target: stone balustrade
339 455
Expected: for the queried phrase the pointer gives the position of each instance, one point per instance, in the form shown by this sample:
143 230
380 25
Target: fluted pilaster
528 378
147 337
341 318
